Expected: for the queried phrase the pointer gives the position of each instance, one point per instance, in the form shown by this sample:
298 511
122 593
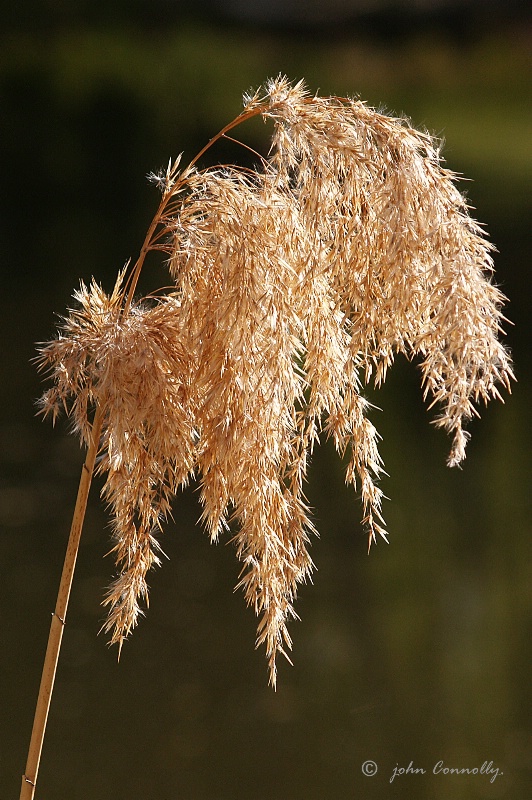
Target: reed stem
29 779
159 216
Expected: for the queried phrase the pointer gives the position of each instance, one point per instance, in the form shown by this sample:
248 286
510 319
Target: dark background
419 652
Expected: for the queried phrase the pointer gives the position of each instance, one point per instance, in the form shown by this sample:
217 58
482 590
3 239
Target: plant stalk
156 221
29 779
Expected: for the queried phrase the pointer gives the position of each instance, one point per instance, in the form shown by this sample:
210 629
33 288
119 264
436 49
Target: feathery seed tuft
295 284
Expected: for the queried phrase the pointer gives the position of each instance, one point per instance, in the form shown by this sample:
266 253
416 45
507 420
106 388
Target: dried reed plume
294 282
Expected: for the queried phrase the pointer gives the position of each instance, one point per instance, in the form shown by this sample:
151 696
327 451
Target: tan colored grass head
294 283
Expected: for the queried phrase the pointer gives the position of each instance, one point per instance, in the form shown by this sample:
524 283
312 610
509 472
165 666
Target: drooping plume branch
295 283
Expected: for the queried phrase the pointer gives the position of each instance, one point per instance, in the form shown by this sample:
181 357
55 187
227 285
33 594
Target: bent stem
29 779
158 220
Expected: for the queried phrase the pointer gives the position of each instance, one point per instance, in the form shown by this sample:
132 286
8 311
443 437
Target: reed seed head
295 283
